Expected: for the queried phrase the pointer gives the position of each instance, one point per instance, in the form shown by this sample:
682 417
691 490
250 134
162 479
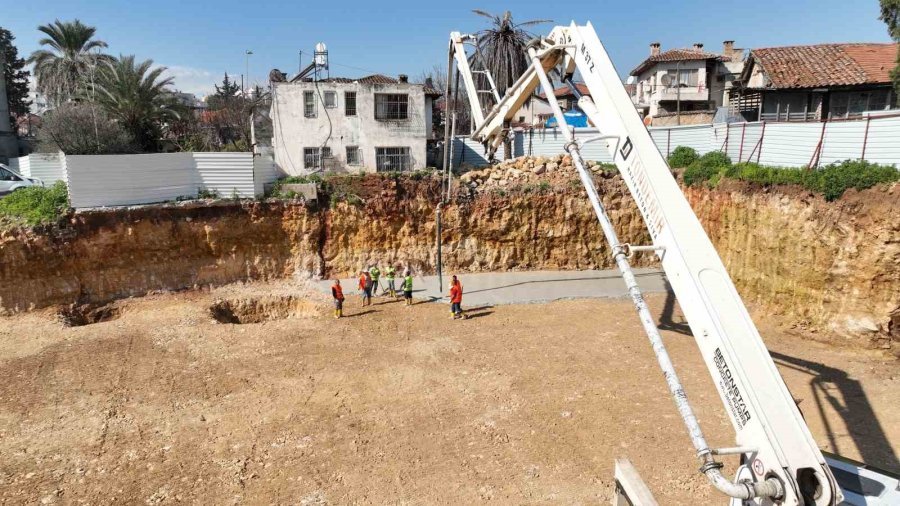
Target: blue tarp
574 117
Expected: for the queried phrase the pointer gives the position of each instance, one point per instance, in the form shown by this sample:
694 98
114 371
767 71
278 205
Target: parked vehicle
11 180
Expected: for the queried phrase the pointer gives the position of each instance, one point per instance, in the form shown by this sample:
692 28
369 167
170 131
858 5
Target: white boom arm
782 463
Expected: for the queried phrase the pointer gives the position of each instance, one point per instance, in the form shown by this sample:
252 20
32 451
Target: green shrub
705 167
683 156
831 180
834 179
36 205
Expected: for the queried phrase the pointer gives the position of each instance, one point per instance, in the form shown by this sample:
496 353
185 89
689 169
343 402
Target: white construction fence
48 167
876 139
122 180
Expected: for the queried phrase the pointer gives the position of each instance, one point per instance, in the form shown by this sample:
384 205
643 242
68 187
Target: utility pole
247 54
678 92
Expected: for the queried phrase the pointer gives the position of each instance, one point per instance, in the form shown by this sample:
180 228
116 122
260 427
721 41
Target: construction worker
407 287
390 273
338 293
375 273
456 293
365 287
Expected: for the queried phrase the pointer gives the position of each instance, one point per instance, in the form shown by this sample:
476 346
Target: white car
11 180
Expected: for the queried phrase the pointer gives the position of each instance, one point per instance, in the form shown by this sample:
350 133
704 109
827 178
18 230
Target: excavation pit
88 314
262 309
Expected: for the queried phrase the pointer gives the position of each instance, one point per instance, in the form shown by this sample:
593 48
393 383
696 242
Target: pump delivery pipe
713 470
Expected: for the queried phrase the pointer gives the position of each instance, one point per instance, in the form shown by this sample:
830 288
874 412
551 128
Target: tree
63 70
16 77
229 115
225 95
437 75
82 129
137 96
890 14
504 48
502 51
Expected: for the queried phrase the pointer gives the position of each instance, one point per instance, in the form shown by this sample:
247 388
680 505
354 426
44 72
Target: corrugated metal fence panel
790 144
843 141
21 165
720 140
750 133
661 139
227 174
264 172
699 137
467 152
48 167
783 145
883 144
117 180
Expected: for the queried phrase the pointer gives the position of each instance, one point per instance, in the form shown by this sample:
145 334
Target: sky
200 40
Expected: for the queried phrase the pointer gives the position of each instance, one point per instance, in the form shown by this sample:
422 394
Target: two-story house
685 86
816 82
374 123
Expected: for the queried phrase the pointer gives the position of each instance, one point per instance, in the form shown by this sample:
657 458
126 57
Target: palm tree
63 69
138 97
503 47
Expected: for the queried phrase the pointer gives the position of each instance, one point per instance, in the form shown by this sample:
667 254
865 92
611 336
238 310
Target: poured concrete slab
525 287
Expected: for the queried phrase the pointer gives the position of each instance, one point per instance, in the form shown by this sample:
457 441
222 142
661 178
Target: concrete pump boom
781 463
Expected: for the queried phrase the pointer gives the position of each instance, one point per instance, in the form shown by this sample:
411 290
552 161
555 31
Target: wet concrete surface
523 287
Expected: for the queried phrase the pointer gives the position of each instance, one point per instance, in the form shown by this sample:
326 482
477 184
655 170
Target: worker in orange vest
456 293
338 293
365 286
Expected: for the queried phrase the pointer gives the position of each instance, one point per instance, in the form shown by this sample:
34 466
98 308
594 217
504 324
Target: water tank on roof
321 55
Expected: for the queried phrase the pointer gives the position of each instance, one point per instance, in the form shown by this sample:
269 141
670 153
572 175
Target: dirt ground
392 405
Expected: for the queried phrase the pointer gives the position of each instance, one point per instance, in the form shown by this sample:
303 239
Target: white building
685 86
374 123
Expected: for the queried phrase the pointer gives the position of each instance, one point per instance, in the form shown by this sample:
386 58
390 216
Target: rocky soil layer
525 170
829 267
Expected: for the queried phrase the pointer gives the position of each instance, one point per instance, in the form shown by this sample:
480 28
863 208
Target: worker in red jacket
456 293
338 294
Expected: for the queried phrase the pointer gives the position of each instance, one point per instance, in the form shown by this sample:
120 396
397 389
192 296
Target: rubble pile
529 169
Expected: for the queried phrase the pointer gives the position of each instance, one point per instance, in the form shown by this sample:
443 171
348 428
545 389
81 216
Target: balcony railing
789 116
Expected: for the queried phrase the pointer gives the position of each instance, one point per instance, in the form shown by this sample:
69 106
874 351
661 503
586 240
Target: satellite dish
666 80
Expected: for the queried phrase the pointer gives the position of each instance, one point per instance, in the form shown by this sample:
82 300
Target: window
353 157
6 175
391 106
684 78
392 159
315 158
330 100
350 103
846 104
309 104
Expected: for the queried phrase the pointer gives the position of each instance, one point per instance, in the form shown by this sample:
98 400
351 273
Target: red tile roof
823 65
564 91
677 55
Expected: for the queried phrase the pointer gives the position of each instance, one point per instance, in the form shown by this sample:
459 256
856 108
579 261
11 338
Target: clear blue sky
199 40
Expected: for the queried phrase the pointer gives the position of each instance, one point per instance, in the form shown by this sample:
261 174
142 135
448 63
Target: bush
831 180
36 205
683 156
707 166
82 129
834 179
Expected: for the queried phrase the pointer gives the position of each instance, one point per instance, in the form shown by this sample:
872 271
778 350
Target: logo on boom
733 394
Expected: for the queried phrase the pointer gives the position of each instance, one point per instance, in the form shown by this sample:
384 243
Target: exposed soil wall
833 267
